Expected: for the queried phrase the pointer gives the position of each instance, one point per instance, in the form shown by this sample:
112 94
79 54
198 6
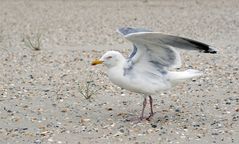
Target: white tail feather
176 77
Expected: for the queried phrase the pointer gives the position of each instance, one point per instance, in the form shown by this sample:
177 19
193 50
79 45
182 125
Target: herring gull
148 69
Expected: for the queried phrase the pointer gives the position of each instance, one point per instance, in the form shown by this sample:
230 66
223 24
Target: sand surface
40 100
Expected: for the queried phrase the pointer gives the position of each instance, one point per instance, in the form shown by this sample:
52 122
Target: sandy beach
41 84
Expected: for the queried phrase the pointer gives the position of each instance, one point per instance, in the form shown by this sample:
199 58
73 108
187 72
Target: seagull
148 70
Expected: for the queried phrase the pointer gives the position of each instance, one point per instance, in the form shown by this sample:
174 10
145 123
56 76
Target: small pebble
50 140
153 125
109 109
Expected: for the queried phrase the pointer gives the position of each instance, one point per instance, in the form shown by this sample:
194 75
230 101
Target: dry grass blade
33 42
88 89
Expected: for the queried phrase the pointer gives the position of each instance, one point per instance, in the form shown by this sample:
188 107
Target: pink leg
144 105
151 107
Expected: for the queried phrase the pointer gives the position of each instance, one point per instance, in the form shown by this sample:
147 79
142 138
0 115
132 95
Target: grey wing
162 56
169 40
128 30
159 50
157 54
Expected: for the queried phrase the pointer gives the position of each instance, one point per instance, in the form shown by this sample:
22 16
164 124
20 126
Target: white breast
140 83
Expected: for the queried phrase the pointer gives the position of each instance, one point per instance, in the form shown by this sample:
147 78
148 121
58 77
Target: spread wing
157 49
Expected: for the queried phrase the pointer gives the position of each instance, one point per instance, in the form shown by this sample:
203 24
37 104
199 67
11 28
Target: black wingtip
210 50
202 47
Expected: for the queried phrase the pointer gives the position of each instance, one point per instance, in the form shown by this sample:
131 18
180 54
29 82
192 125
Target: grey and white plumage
146 70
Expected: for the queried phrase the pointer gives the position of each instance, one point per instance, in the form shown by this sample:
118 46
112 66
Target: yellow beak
95 62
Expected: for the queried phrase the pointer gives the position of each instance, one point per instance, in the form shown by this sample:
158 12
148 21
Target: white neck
116 72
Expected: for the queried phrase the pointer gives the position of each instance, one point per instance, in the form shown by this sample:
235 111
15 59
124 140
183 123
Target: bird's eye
109 57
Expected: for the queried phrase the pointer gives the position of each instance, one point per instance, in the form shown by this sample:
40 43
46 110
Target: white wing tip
212 50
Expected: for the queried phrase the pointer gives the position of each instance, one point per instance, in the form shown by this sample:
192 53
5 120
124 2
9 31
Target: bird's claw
150 116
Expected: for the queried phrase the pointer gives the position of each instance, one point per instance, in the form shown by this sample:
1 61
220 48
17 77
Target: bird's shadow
159 117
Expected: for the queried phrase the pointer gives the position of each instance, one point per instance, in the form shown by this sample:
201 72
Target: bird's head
110 59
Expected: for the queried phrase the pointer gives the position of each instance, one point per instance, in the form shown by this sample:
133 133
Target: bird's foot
150 116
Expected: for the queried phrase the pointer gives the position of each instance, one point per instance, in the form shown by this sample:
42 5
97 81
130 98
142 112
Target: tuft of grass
33 42
88 89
